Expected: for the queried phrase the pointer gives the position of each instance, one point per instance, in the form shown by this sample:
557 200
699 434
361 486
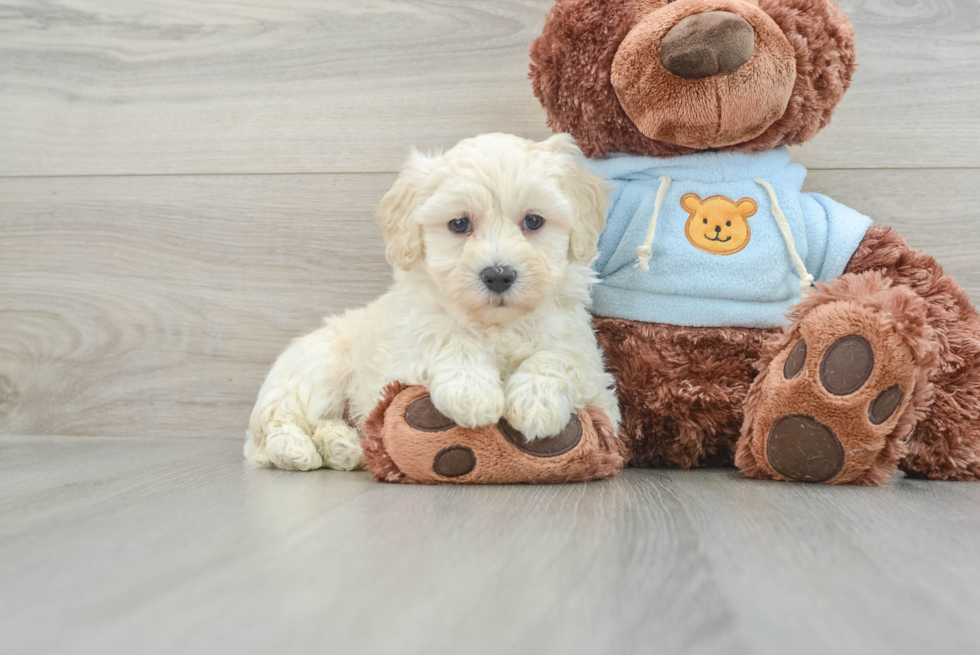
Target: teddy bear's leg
945 442
865 359
406 439
681 389
837 392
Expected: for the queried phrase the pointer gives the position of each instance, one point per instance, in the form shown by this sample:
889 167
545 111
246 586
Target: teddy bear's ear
823 39
402 233
747 207
691 203
586 191
570 64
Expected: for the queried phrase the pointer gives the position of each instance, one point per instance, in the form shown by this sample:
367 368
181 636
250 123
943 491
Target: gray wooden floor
185 185
112 545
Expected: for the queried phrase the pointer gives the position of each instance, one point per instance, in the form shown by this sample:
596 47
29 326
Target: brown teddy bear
746 321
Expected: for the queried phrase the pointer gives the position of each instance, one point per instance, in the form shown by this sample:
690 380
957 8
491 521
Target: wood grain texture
163 546
165 86
912 101
832 570
154 306
261 86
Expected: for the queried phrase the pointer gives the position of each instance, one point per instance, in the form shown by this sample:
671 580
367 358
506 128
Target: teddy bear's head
671 77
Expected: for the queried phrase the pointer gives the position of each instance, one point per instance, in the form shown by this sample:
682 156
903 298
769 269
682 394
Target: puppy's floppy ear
587 192
402 233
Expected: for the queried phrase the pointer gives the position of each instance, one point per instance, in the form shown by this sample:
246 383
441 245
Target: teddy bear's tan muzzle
704 73
708 44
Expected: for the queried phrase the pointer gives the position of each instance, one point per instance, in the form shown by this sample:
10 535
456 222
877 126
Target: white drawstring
644 252
806 280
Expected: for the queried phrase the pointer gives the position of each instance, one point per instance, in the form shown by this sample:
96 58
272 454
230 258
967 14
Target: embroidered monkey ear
747 207
691 203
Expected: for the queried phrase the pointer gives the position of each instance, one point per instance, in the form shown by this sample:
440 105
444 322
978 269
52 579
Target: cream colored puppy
491 244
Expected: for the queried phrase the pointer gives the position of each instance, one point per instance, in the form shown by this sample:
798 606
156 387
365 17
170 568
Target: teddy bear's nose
717 229
708 44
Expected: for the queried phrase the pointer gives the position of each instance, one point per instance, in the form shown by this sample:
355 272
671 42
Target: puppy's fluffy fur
528 355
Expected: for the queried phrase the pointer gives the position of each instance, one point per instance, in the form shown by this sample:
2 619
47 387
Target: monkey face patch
718 225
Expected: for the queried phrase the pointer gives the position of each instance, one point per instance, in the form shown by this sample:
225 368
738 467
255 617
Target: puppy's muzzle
498 278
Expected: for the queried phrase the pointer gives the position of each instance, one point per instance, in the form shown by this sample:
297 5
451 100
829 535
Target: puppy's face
495 222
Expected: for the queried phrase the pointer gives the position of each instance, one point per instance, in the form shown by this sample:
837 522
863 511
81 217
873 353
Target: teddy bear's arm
834 232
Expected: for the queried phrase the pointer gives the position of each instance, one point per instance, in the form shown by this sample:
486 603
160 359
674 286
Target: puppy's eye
533 222
728 223
460 225
706 221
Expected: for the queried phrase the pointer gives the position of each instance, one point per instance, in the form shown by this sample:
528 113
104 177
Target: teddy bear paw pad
454 461
847 365
422 415
552 446
804 449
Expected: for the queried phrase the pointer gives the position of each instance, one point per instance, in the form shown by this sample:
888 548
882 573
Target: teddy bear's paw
408 439
537 405
831 401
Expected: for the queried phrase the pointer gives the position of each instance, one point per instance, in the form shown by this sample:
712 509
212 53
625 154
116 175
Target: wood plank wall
185 185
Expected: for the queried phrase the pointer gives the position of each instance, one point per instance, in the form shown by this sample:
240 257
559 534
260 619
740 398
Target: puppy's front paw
537 405
470 399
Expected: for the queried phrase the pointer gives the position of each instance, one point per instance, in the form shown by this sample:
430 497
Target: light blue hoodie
699 269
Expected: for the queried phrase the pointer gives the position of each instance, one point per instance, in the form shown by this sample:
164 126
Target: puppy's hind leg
298 420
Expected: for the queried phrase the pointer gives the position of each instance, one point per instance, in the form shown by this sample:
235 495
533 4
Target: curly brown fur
680 388
613 452
946 441
571 65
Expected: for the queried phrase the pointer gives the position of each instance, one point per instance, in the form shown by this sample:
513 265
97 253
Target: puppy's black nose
717 229
498 278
